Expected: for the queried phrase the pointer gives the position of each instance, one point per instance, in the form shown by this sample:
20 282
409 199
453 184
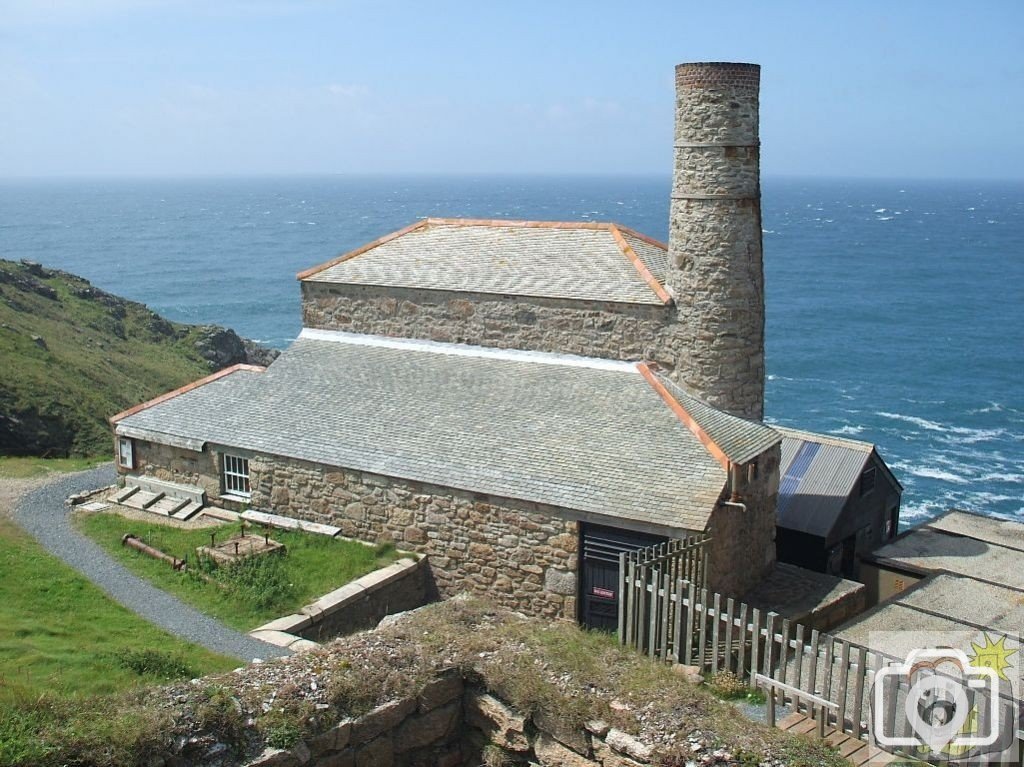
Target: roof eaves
641 236
683 415
515 224
362 249
183 390
639 265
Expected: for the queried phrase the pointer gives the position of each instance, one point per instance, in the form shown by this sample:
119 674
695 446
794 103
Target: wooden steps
857 752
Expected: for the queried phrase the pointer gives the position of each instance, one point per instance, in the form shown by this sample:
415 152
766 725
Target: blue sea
895 309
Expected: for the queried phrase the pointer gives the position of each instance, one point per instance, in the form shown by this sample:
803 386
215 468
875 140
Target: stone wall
519 555
359 604
589 328
742 548
716 270
175 464
451 724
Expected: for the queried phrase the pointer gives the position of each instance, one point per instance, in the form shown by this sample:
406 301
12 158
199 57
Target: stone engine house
519 400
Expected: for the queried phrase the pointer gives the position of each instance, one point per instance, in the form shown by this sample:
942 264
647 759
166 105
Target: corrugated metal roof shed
817 475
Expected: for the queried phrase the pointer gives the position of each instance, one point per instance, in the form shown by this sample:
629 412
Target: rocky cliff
72 355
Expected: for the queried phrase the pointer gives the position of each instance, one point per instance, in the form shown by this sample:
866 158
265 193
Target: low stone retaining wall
449 724
360 604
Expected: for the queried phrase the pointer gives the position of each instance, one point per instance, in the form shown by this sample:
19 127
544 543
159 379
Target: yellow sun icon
994 655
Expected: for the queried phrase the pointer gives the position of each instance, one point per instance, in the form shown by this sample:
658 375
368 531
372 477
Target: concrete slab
278 638
927 549
796 593
989 529
189 510
339 597
290 624
380 578
222 514
289 523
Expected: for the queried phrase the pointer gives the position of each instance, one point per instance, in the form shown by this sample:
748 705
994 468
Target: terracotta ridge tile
641 236
183 389
361 249
640 266
518 223
683 415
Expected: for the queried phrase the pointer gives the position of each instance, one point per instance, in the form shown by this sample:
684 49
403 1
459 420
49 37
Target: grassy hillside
72 355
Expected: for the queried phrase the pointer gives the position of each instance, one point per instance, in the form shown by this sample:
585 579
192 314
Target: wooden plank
631 601
703 615
741 668
827 668
641 606
769 652
666 615
681 637
858 691
755 644
849 746
717 606
844 681
798 647
691 596
729 631
652 618
623 598
784 651
789 720
803 727
812 671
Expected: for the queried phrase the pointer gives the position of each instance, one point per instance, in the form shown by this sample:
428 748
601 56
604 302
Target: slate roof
741 440
580 433
817 474
583 261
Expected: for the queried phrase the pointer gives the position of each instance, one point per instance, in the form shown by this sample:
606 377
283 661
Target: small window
125 453
236 475
752 471
867 481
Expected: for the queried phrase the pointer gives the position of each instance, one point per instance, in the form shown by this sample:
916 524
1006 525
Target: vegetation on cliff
72 355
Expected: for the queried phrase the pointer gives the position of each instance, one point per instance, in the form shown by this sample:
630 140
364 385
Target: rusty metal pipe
136 543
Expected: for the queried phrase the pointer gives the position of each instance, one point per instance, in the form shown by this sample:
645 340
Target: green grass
14 467
61 634
274 586
97 356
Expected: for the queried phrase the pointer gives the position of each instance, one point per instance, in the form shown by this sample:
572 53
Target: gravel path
43 514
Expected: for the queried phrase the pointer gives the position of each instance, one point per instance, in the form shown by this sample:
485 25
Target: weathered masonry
486 460
519 400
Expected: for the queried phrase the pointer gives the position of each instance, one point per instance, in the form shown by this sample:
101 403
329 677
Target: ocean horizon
894 306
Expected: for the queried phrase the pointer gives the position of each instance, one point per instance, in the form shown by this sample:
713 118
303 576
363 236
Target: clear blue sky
899 88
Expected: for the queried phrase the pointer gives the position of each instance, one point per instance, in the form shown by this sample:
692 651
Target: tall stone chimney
716 271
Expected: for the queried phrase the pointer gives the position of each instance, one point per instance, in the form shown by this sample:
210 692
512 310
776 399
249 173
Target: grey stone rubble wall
520 555
828 615
716 271
742 548
448 725
592 329
362 603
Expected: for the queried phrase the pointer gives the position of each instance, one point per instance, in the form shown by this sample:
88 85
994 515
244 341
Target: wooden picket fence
666 616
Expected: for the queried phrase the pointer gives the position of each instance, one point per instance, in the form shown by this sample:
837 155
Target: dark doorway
599 585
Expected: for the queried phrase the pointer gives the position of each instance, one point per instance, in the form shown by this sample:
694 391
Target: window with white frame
125 453
236 475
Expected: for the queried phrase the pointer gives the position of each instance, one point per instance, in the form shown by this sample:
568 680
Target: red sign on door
603 593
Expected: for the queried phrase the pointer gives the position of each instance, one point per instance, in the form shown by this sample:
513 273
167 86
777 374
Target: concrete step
125 493
288 523
143 499
169 506
189 510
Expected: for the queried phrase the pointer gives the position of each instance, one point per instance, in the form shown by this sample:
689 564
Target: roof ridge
639 265
641 236
684 415
184 389
360 250
825 439
466 350
521 223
